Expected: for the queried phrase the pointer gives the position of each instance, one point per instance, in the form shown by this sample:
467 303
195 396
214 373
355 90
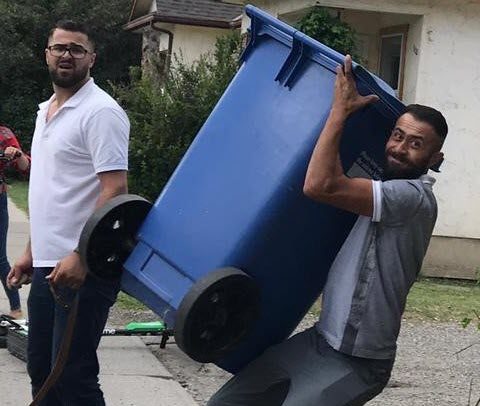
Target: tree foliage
24 80
165 116
321 25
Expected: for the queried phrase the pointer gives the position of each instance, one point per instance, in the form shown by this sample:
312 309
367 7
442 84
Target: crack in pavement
165 377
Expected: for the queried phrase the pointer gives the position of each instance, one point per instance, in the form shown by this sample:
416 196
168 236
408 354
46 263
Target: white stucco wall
449 78
191 41
443 41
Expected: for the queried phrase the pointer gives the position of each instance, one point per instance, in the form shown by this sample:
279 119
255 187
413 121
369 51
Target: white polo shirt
86 136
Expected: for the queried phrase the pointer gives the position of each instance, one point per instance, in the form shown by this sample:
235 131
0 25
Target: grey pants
305 371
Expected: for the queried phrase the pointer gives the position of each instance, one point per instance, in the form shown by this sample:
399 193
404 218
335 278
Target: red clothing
8 139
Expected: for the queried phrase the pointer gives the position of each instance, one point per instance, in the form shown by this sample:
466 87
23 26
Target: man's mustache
398 158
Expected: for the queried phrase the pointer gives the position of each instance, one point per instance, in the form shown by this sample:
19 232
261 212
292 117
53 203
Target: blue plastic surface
236 198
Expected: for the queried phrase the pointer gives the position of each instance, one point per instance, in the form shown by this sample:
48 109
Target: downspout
170 42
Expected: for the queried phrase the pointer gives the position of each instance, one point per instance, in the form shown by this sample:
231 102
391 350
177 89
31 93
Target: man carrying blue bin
347 357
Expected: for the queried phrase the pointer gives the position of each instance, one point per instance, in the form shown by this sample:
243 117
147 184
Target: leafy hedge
166 115
321 25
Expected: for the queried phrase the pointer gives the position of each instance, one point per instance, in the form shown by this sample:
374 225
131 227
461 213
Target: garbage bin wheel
216 314
109 235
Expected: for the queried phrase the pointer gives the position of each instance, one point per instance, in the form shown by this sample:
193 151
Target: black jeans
78 385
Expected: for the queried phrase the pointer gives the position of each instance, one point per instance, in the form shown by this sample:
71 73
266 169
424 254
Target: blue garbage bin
235 202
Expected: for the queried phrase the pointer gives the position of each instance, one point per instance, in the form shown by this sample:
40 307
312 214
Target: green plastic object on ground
152 326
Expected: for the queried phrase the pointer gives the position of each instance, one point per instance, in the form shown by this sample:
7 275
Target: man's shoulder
98 103
402 198
422 185
99 98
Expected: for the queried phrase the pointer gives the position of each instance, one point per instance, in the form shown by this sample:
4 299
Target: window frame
394 31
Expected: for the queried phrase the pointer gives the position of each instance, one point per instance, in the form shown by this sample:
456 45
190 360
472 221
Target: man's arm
12 147
70 271
21 162
112 183
325 181
21 272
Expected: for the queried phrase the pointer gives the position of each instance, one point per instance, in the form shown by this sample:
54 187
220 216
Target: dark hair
430 116
72 26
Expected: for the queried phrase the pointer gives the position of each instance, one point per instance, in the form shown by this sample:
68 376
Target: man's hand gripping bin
232 254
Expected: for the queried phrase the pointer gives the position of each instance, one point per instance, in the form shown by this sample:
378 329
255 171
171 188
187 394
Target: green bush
24 79
319 24
165 116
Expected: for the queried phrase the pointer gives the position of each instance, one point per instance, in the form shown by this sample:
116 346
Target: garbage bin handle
304 48
257 19
301 51
292 64
255 24
262 17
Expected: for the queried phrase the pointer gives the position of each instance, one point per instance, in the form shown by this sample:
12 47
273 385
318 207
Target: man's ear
92 61
436 161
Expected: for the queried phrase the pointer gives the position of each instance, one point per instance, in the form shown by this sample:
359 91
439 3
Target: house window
391 63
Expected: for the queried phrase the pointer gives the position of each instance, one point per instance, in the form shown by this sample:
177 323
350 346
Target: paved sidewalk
130 374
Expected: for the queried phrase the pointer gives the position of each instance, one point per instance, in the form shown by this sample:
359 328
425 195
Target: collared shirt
368 283
86 136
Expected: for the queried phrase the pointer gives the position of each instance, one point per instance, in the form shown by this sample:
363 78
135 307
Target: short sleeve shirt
86 136
368 283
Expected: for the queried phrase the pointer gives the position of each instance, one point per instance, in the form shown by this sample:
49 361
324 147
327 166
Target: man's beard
405 171
70 80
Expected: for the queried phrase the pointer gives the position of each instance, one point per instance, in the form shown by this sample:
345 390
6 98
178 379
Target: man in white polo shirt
79 161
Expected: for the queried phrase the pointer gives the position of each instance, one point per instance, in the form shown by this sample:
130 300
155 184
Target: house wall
443 71
191 42
449 78
368 24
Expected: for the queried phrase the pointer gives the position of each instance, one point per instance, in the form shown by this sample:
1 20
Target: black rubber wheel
216 314
109 235
3 341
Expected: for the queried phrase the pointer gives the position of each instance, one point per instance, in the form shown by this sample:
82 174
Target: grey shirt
368 283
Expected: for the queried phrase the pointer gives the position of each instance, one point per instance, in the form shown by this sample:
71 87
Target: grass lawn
18 192
429 299
439 300
443 300
127 302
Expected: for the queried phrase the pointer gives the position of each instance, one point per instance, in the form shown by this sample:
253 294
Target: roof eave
154 17
139 23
